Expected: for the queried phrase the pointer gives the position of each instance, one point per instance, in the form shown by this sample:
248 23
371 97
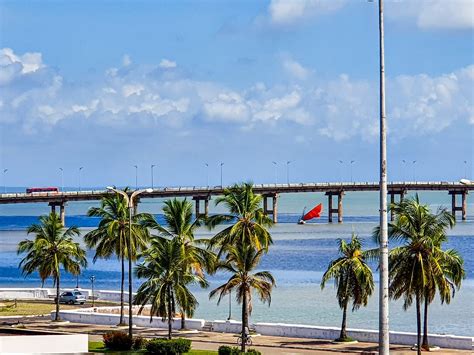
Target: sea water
298 257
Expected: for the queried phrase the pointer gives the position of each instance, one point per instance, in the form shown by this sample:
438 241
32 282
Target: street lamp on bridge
79 175
152 166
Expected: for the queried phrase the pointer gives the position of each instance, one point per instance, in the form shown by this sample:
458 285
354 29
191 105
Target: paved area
212 340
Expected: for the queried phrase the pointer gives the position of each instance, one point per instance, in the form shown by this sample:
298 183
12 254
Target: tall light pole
79 174
222 164
152 166
352 162
129 201
465 169
92 278
384 341
276 171
404 173
207 174
136 177
341 168
5 180
288 172
414 170
62 178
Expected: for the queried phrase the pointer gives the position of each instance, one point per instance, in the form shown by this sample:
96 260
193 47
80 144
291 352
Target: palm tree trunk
122 285
56 317
183 319
418 325
170 315
425 344
245 321
343 334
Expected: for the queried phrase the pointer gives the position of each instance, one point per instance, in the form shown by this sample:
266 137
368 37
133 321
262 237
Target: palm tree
52 248
352 278
250 225
420 267
241 260
111 237
167 273
181 227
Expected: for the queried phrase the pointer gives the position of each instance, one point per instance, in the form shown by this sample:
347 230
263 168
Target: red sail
314 213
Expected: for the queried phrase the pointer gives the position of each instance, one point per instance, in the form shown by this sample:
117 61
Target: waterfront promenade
212 340
270 192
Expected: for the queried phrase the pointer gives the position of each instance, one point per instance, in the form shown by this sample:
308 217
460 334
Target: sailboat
314 213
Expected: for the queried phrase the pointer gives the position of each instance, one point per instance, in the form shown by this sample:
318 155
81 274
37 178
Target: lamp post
288 171
92 278
222 164
404 172
152 166
384 342
341 164
129 201
4 180
414 170
465 169
352 162
207 174
80 169
62 178
276 171
136 177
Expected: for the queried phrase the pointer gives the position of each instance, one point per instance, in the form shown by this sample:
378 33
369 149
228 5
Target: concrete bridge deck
269 191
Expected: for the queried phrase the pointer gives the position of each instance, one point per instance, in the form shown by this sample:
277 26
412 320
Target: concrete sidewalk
212 340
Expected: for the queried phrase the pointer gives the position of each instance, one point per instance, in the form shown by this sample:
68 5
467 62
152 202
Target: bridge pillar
337 210
393 193
198 200
274 210
463 207
62 210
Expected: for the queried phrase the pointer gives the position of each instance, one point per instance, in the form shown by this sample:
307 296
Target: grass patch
98 347
26 308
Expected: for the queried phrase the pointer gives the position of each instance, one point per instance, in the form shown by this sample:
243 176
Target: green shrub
168 347
233 350
227 350
117 341
139 343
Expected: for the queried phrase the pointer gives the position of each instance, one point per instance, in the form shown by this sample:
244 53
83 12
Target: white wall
317 332
90 316
50 344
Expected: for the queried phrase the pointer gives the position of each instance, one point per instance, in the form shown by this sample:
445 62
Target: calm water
297 259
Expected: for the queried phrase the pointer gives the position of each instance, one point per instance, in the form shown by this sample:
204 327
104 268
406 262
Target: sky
107 85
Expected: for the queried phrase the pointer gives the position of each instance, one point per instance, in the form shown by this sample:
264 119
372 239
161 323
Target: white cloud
126 60
286 12
13 66
295 69
227 107
425 14
339 108
132 89
434 14
167 64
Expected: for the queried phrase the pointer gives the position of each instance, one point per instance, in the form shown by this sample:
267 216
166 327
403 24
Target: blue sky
108 85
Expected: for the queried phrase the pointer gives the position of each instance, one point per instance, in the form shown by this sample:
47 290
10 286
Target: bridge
269 192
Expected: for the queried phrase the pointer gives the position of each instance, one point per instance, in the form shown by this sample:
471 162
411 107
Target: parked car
72 297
